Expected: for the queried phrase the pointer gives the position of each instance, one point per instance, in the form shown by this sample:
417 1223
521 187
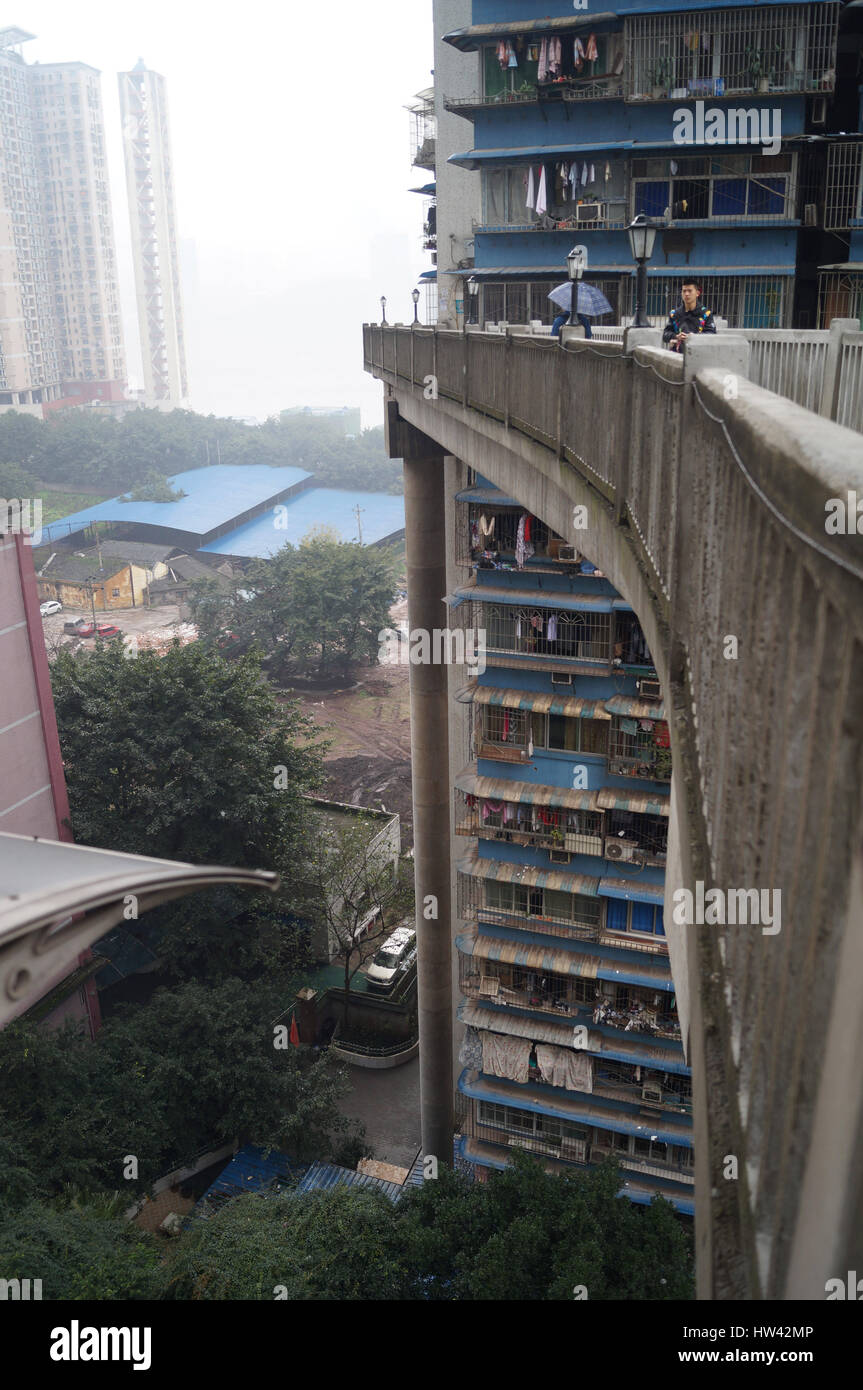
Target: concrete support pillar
425 537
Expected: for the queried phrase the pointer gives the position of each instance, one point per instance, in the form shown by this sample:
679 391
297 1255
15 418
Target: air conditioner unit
624 851
561 678
819 110
559 856
589 212
810 215
652 1094
649 690
567 552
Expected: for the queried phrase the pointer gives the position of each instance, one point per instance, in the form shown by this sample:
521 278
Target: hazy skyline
292 160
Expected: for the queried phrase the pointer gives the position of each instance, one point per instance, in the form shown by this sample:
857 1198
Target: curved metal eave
45 928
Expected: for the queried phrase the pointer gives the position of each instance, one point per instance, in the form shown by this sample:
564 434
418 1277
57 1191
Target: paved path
388 1104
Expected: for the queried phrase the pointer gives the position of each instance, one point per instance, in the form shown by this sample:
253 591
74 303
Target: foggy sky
292 160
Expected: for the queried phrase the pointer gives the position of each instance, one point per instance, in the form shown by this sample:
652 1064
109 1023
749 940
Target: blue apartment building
724 121
572 1046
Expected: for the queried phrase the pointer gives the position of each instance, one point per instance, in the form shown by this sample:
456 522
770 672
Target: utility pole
357 510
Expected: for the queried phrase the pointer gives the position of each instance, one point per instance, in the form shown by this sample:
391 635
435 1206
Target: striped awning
642 803
505 871
537 1029
524 793
636 709
633 890
538 598
537 700
530 954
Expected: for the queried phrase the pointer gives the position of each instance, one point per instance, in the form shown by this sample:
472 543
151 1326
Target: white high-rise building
70 145
60 334
150 184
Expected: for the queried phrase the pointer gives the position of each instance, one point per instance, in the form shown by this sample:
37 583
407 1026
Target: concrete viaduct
705 499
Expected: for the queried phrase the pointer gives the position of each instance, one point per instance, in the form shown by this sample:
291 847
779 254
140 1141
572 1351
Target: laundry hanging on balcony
541 195
529 191
506 1057
561 1066
470 1052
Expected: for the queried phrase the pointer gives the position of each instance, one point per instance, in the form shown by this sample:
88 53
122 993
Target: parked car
100 630
51 605
394 957
75 625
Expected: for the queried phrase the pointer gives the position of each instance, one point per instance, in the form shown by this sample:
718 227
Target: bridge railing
790 363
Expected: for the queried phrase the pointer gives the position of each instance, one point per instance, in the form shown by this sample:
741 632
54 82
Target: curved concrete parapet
365 1059
727 516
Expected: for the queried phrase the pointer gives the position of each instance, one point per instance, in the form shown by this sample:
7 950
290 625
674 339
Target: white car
50 606
393 959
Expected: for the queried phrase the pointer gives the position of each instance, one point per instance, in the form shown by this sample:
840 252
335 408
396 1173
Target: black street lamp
415 296
473 295
383 309
575 270
642 234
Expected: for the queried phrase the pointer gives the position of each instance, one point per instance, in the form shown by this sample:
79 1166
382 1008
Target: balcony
780 49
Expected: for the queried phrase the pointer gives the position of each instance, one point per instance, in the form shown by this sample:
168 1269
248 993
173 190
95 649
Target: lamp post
383 309
415 296
473 296
575 270
642 234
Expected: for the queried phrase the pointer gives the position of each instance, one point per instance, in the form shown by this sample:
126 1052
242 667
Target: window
651 1149
621 916
115 593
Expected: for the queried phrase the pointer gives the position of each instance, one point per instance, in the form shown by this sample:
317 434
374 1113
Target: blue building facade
572 1046
722 121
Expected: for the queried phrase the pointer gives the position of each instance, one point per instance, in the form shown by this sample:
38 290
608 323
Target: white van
392 959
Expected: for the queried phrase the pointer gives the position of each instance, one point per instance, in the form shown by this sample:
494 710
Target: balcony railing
565 928
557 999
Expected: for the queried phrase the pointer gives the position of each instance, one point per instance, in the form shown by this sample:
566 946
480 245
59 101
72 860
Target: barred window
716 53
548 632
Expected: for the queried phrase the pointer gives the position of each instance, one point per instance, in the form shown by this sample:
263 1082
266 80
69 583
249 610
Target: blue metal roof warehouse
231 510
215 500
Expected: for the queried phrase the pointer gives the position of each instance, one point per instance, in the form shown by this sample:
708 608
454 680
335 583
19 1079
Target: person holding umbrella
592 303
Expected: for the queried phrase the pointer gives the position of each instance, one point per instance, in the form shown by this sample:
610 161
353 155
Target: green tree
188 756
525 1235
319 606
196 1065
357 896
155 487
81 1247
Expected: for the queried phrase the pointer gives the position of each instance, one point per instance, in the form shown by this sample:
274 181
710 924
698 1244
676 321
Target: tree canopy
194 1066
189 756
317 606
525 1235
84 450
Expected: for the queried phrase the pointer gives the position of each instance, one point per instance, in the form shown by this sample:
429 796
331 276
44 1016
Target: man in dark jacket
689 317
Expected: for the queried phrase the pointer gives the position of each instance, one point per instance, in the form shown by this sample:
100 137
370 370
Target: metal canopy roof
542 598
56 899
524 793
472 36
543 703
506 871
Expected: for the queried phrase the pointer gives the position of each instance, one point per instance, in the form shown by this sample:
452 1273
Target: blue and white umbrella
591 301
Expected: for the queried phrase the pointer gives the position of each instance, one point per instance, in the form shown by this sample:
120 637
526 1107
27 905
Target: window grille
844 187
746 301
710 53
577 635
650 833
840 296
635 750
